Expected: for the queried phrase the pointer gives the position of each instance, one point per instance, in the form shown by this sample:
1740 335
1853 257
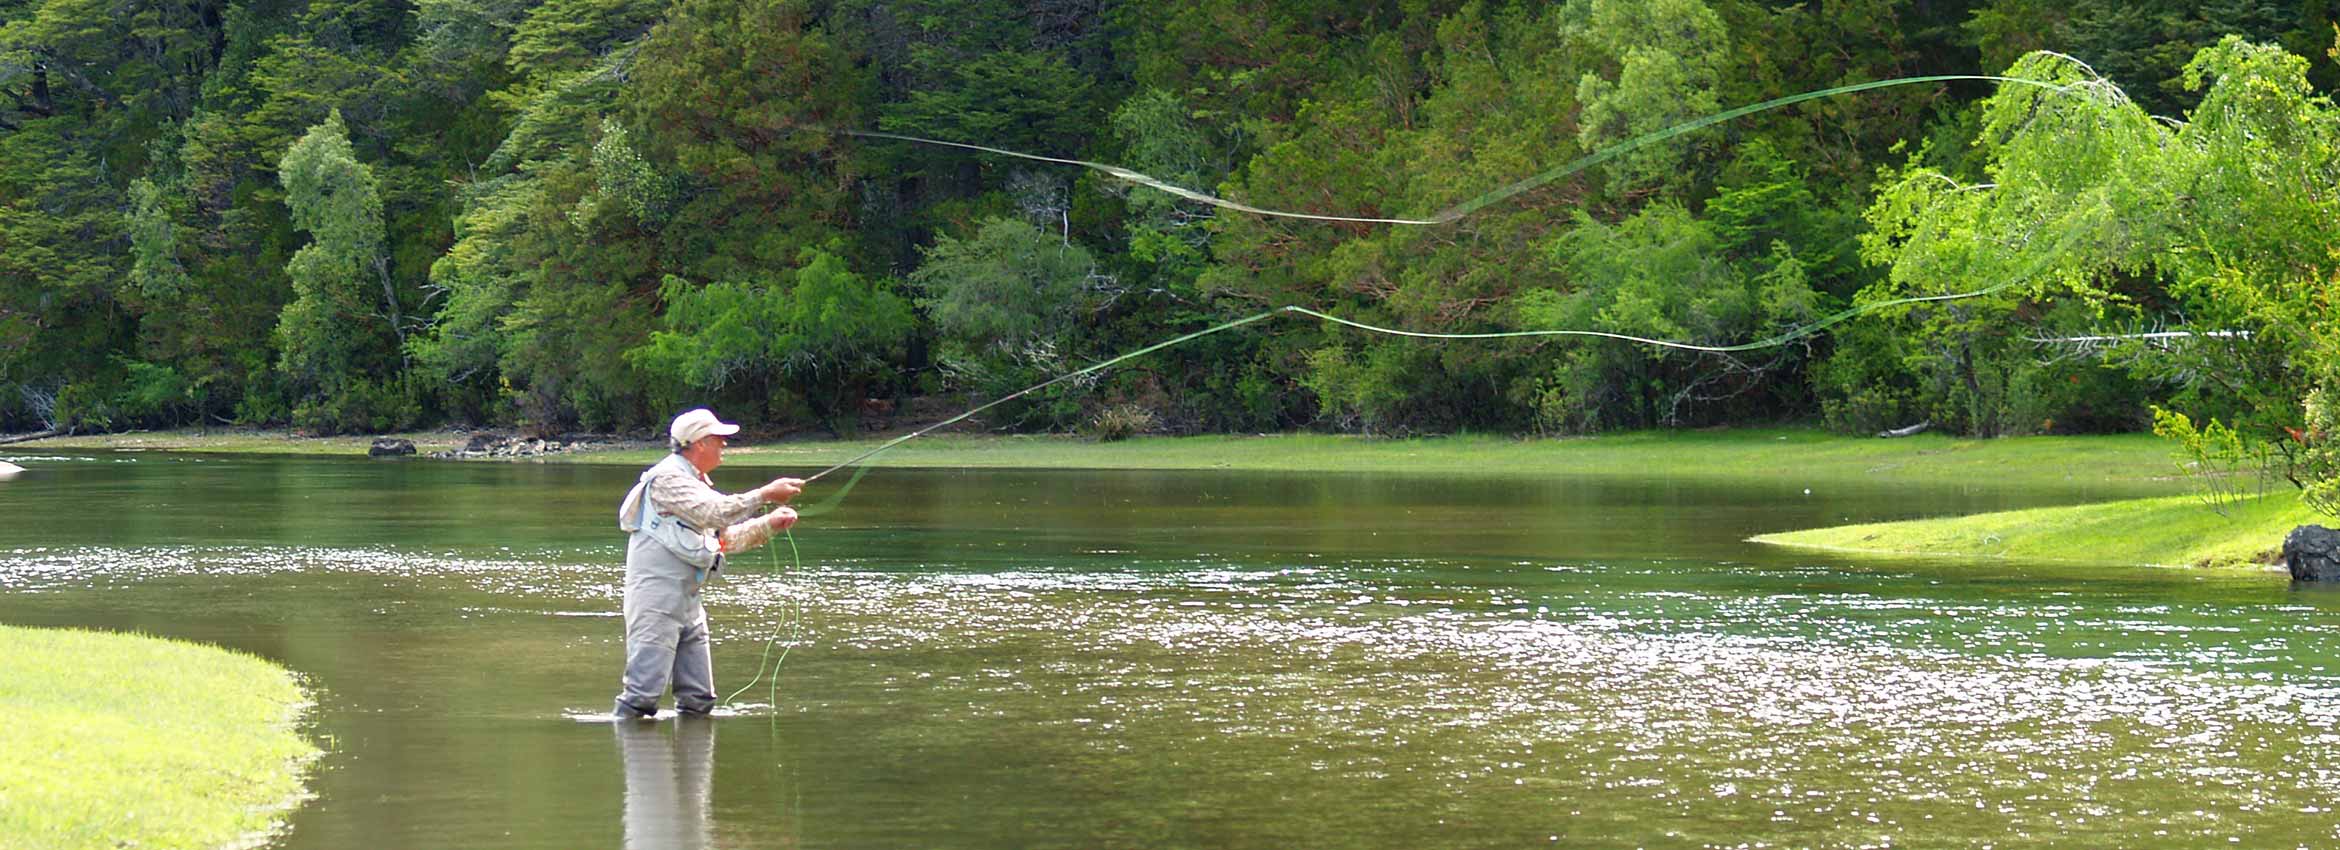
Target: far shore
2123 465
2141 513
272 441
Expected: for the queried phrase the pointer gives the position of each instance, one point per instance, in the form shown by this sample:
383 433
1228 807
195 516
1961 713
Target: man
681 528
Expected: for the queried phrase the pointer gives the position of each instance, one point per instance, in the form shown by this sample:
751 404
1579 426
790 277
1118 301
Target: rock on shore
2312 553
506 446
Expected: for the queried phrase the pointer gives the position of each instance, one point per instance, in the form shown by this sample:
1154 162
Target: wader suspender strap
650 520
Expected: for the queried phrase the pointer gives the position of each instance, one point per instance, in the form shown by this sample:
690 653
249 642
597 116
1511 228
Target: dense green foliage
355 215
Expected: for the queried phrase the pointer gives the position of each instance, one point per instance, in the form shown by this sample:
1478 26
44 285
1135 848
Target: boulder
2312 553
387 447
492 446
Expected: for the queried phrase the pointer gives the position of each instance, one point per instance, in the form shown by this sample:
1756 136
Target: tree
2224 225
840 335
1779 49
1008 286
1005 304
2145 45
1661 274
1659 65
738 98
2253 240
460 46
823 329
532 248
1390 141
1160 139
122 69
61 254
1014 99
344 321
154 245
564 36
1249 67
484 273
536 172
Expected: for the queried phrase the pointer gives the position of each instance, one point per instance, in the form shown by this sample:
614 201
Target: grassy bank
2134 464
128 741
2170 530
236 441
2173 531
1741 454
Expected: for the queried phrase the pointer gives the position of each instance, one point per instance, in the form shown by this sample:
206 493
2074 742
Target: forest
359 216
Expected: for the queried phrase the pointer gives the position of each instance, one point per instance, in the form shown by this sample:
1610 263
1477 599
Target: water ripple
1831 718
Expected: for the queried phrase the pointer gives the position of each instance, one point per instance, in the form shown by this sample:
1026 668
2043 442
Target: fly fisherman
682 527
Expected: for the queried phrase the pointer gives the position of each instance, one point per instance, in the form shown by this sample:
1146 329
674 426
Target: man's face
707 453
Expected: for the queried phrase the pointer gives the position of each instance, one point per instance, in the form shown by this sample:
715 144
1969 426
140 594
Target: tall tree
61 256
1658 64
741 99
820 334
344 323
2222 224
1007 305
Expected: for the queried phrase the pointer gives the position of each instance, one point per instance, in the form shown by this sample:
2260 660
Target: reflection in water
669 769
1353 662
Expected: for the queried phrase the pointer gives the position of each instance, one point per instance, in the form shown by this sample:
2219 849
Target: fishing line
1773 341
1451 214
831 502
1035 387
1458 211
1455 213
791 621
792 609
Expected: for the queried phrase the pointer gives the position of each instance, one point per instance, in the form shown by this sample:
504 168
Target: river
1080 659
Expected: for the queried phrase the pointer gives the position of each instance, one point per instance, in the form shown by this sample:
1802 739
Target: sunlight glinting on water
1771 706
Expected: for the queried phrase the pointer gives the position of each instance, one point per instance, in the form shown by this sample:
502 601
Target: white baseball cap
699 422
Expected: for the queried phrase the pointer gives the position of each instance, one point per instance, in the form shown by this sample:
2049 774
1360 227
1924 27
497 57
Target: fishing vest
689 545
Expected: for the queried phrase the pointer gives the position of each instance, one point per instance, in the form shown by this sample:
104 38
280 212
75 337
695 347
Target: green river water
1012 659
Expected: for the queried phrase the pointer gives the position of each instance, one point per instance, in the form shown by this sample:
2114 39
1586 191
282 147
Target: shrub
2318 463
1120 422
363 406
2223 467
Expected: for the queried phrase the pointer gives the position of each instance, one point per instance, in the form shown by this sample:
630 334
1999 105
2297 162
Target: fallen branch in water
37 435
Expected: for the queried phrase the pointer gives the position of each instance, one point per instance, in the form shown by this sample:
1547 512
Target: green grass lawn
2172 531
119 740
